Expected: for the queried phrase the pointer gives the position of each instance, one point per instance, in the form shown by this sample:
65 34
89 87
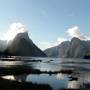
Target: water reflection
10 63
58 81
60 76
9 77
73 85
15 85
19 78
78 79
48 79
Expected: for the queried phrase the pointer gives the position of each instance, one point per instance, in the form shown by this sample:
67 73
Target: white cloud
75 32
72 32
14 29
1 35
60 40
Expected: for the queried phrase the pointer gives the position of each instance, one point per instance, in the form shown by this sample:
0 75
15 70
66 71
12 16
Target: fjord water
78 79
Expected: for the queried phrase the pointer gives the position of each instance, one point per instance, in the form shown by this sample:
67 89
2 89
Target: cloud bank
7 37
14 29
75 32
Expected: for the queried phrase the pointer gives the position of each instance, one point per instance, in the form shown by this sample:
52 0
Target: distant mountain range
22 45
70 49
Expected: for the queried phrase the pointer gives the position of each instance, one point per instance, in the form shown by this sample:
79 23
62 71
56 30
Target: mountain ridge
22 45
75 48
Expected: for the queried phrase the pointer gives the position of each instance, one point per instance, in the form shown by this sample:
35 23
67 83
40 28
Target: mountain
3 45
62 51
57 51
52 52
23 46
75 48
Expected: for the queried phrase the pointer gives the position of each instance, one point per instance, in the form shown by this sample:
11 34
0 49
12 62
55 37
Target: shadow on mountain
22 45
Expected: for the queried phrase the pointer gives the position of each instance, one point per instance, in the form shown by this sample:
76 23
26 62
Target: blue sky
46 20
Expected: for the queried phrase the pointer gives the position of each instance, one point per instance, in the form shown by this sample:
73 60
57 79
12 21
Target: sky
48 22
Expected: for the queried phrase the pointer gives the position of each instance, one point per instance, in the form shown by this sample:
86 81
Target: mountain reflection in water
54 73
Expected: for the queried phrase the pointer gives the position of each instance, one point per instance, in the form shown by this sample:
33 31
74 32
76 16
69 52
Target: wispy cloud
1 35
46 44
60 40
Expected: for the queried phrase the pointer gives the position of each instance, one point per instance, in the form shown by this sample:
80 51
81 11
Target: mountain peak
22 45
75 48
22 36
75 38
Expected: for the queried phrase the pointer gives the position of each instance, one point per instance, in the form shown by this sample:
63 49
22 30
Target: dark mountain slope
23 46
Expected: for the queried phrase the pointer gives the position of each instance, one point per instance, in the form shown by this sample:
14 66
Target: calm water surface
79 79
